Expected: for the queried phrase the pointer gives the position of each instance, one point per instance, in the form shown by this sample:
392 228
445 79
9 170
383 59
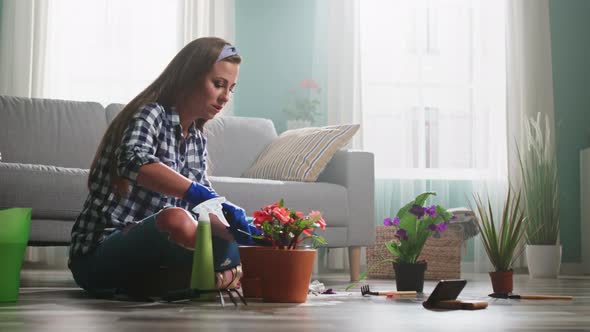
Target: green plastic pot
15 224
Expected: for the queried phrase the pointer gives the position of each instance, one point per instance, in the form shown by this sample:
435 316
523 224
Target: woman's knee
179 224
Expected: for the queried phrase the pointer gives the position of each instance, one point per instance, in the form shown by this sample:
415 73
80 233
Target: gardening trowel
530 296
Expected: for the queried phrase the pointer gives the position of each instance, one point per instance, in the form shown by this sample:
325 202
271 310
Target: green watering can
15 224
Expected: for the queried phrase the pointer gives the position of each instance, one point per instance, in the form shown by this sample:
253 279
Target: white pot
543 261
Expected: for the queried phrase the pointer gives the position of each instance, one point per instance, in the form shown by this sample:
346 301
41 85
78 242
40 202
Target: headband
227 51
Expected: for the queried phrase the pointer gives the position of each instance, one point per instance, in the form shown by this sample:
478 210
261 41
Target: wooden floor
50 301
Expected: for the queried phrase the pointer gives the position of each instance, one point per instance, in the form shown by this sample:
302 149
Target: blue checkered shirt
153 135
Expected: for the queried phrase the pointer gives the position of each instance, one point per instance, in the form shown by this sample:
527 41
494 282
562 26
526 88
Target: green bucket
14 234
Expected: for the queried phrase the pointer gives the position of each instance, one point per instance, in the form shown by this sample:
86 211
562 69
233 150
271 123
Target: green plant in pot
538 165
304 102
503 240
414 224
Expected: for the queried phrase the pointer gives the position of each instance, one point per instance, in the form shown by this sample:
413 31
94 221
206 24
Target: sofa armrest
355 170
53 192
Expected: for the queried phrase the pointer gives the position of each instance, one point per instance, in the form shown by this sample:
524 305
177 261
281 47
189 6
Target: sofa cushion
301 154
252 194
234 143
52 192
50 132
112 110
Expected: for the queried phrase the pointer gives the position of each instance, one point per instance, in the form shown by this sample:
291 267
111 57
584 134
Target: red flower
270 207
308 84
282 214
260 217
283 227
321 222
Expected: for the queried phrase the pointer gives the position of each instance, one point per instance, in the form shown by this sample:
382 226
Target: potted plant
538 166
303 108
415 223
503 242
278 270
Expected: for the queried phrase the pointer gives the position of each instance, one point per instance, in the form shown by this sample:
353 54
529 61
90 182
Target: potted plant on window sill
415 223
504 242
303 109
279 270
538 166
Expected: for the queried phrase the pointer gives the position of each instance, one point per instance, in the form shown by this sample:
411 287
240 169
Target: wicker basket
442 255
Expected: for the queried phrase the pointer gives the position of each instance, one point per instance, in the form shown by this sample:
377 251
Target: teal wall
1 5
276 39
571 78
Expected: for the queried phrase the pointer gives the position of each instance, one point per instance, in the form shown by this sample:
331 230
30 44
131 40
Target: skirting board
573 269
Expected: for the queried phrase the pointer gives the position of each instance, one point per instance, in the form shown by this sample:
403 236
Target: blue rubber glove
236 217
198 193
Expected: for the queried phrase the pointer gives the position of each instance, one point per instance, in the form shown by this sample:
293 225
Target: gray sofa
47 147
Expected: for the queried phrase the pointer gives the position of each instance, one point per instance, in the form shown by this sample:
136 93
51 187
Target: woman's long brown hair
178 81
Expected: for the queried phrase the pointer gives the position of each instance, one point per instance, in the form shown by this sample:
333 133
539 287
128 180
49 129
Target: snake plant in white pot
538 164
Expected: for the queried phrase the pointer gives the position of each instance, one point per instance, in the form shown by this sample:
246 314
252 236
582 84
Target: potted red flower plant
285 229
277 270
304 104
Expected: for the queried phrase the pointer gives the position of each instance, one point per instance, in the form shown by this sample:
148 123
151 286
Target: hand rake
365 290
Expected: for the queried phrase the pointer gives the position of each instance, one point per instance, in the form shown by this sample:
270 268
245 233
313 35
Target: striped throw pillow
301 154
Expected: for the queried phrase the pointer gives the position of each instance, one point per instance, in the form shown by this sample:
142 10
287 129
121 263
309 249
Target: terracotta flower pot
502 282
252 264
287 274
277 275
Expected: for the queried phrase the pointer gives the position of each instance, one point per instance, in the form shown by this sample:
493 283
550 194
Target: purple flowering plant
415 223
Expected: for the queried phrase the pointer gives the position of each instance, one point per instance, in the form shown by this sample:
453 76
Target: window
108 51
433 86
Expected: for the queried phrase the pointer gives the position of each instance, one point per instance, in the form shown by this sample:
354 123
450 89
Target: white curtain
341 41
529 68
530 76
208 18
105 51
336 61
22 47
426 79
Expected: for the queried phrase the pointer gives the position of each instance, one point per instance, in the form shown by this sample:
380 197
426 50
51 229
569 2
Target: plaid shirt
153 135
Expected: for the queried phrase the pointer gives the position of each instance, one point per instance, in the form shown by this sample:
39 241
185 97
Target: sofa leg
354 260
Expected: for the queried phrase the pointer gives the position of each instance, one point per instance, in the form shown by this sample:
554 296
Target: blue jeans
144 254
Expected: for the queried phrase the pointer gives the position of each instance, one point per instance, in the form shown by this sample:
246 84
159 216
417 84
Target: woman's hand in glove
198 193
240 228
